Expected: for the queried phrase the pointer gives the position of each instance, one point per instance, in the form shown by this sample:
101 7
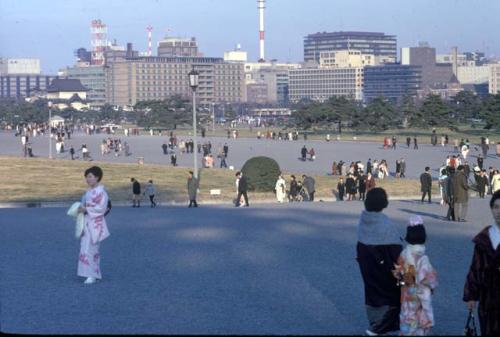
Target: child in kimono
95 230
417 279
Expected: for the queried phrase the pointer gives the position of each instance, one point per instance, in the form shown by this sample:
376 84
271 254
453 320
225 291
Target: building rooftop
340 34
63 84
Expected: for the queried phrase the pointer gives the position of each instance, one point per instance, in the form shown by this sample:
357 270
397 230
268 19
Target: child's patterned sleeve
426 274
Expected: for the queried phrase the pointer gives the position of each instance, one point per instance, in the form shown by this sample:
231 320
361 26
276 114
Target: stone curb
64 204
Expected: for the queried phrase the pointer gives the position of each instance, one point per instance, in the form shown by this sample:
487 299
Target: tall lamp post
193 83
49 103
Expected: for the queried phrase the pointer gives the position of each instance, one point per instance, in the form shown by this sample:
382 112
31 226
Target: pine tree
435 113
490 111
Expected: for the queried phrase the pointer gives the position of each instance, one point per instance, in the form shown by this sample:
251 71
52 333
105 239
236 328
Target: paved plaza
286 153
267 269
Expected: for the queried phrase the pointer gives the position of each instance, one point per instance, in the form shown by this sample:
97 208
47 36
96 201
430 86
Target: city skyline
51 31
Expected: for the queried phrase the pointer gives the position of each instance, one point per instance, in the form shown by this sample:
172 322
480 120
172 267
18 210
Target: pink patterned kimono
416 317
94 231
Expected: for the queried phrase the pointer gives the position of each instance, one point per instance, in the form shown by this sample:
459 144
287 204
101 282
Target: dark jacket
425 182
362 184
376 263
460 188
242 184
482 283
192 187
309 183
136 187
350 185
293 188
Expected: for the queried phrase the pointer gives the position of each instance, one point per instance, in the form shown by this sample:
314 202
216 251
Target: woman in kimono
95 230
280 189
483 279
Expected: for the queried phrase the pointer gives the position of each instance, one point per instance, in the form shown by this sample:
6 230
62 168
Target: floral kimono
95 230
420 278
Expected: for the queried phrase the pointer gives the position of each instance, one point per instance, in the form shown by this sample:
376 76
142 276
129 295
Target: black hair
238 173
376 200
95 170
132 179
460 167
427 168
151 181
494 198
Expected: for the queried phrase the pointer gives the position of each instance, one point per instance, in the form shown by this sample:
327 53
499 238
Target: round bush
261 173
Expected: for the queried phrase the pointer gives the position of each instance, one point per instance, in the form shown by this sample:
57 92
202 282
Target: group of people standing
399 283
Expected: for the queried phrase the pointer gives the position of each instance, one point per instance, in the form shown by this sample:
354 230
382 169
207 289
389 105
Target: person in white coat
280 189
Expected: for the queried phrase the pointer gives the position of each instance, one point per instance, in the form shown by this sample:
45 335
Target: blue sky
52 29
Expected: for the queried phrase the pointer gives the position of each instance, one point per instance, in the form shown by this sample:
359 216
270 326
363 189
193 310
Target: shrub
261 173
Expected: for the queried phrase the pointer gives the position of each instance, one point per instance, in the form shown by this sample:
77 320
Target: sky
52 30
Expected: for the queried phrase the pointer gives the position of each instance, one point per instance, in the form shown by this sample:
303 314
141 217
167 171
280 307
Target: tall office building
433 74
378 44
392 81
155 78
267 82
319 84
494 79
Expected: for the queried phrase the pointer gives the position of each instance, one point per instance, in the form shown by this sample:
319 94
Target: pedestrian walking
418 281
192 187
173 159
415 145
350 186
72 152
150 191
242 189
426 184
95 229
378 249
460 194
136 193
303 153
483 278
362 186
408 141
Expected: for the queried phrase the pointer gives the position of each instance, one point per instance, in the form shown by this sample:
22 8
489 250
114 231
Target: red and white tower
98 32
261 6
150 43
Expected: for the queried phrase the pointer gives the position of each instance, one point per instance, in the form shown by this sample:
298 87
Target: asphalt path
286 153
267 269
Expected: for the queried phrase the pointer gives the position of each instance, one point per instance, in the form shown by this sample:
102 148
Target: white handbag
80 219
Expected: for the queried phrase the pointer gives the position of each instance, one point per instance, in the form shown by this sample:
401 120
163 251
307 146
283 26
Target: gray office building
433 74
92 77
392 81
22 86
378 44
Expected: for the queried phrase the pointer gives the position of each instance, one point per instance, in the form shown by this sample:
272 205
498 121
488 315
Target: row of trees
381 114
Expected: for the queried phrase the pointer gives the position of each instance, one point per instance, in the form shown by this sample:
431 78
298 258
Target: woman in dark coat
350 186
293 189
483 280
378 249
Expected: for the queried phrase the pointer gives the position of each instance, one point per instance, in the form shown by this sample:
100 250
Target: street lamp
49 103
193 83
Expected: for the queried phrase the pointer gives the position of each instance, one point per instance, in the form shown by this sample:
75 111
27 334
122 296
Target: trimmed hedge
261 173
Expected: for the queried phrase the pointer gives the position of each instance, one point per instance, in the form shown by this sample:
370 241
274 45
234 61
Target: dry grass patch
44 180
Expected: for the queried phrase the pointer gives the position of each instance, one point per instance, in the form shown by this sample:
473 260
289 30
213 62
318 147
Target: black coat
350 185
425 182
376 263
242 184
309 183
482 283
136 187
293 188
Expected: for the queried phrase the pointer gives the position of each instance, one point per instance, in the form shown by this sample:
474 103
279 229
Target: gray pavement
286 153
267 269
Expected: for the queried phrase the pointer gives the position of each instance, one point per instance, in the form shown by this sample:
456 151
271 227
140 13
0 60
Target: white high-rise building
19 66
494 79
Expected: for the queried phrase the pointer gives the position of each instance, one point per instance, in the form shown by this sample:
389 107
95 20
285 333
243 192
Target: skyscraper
378 44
